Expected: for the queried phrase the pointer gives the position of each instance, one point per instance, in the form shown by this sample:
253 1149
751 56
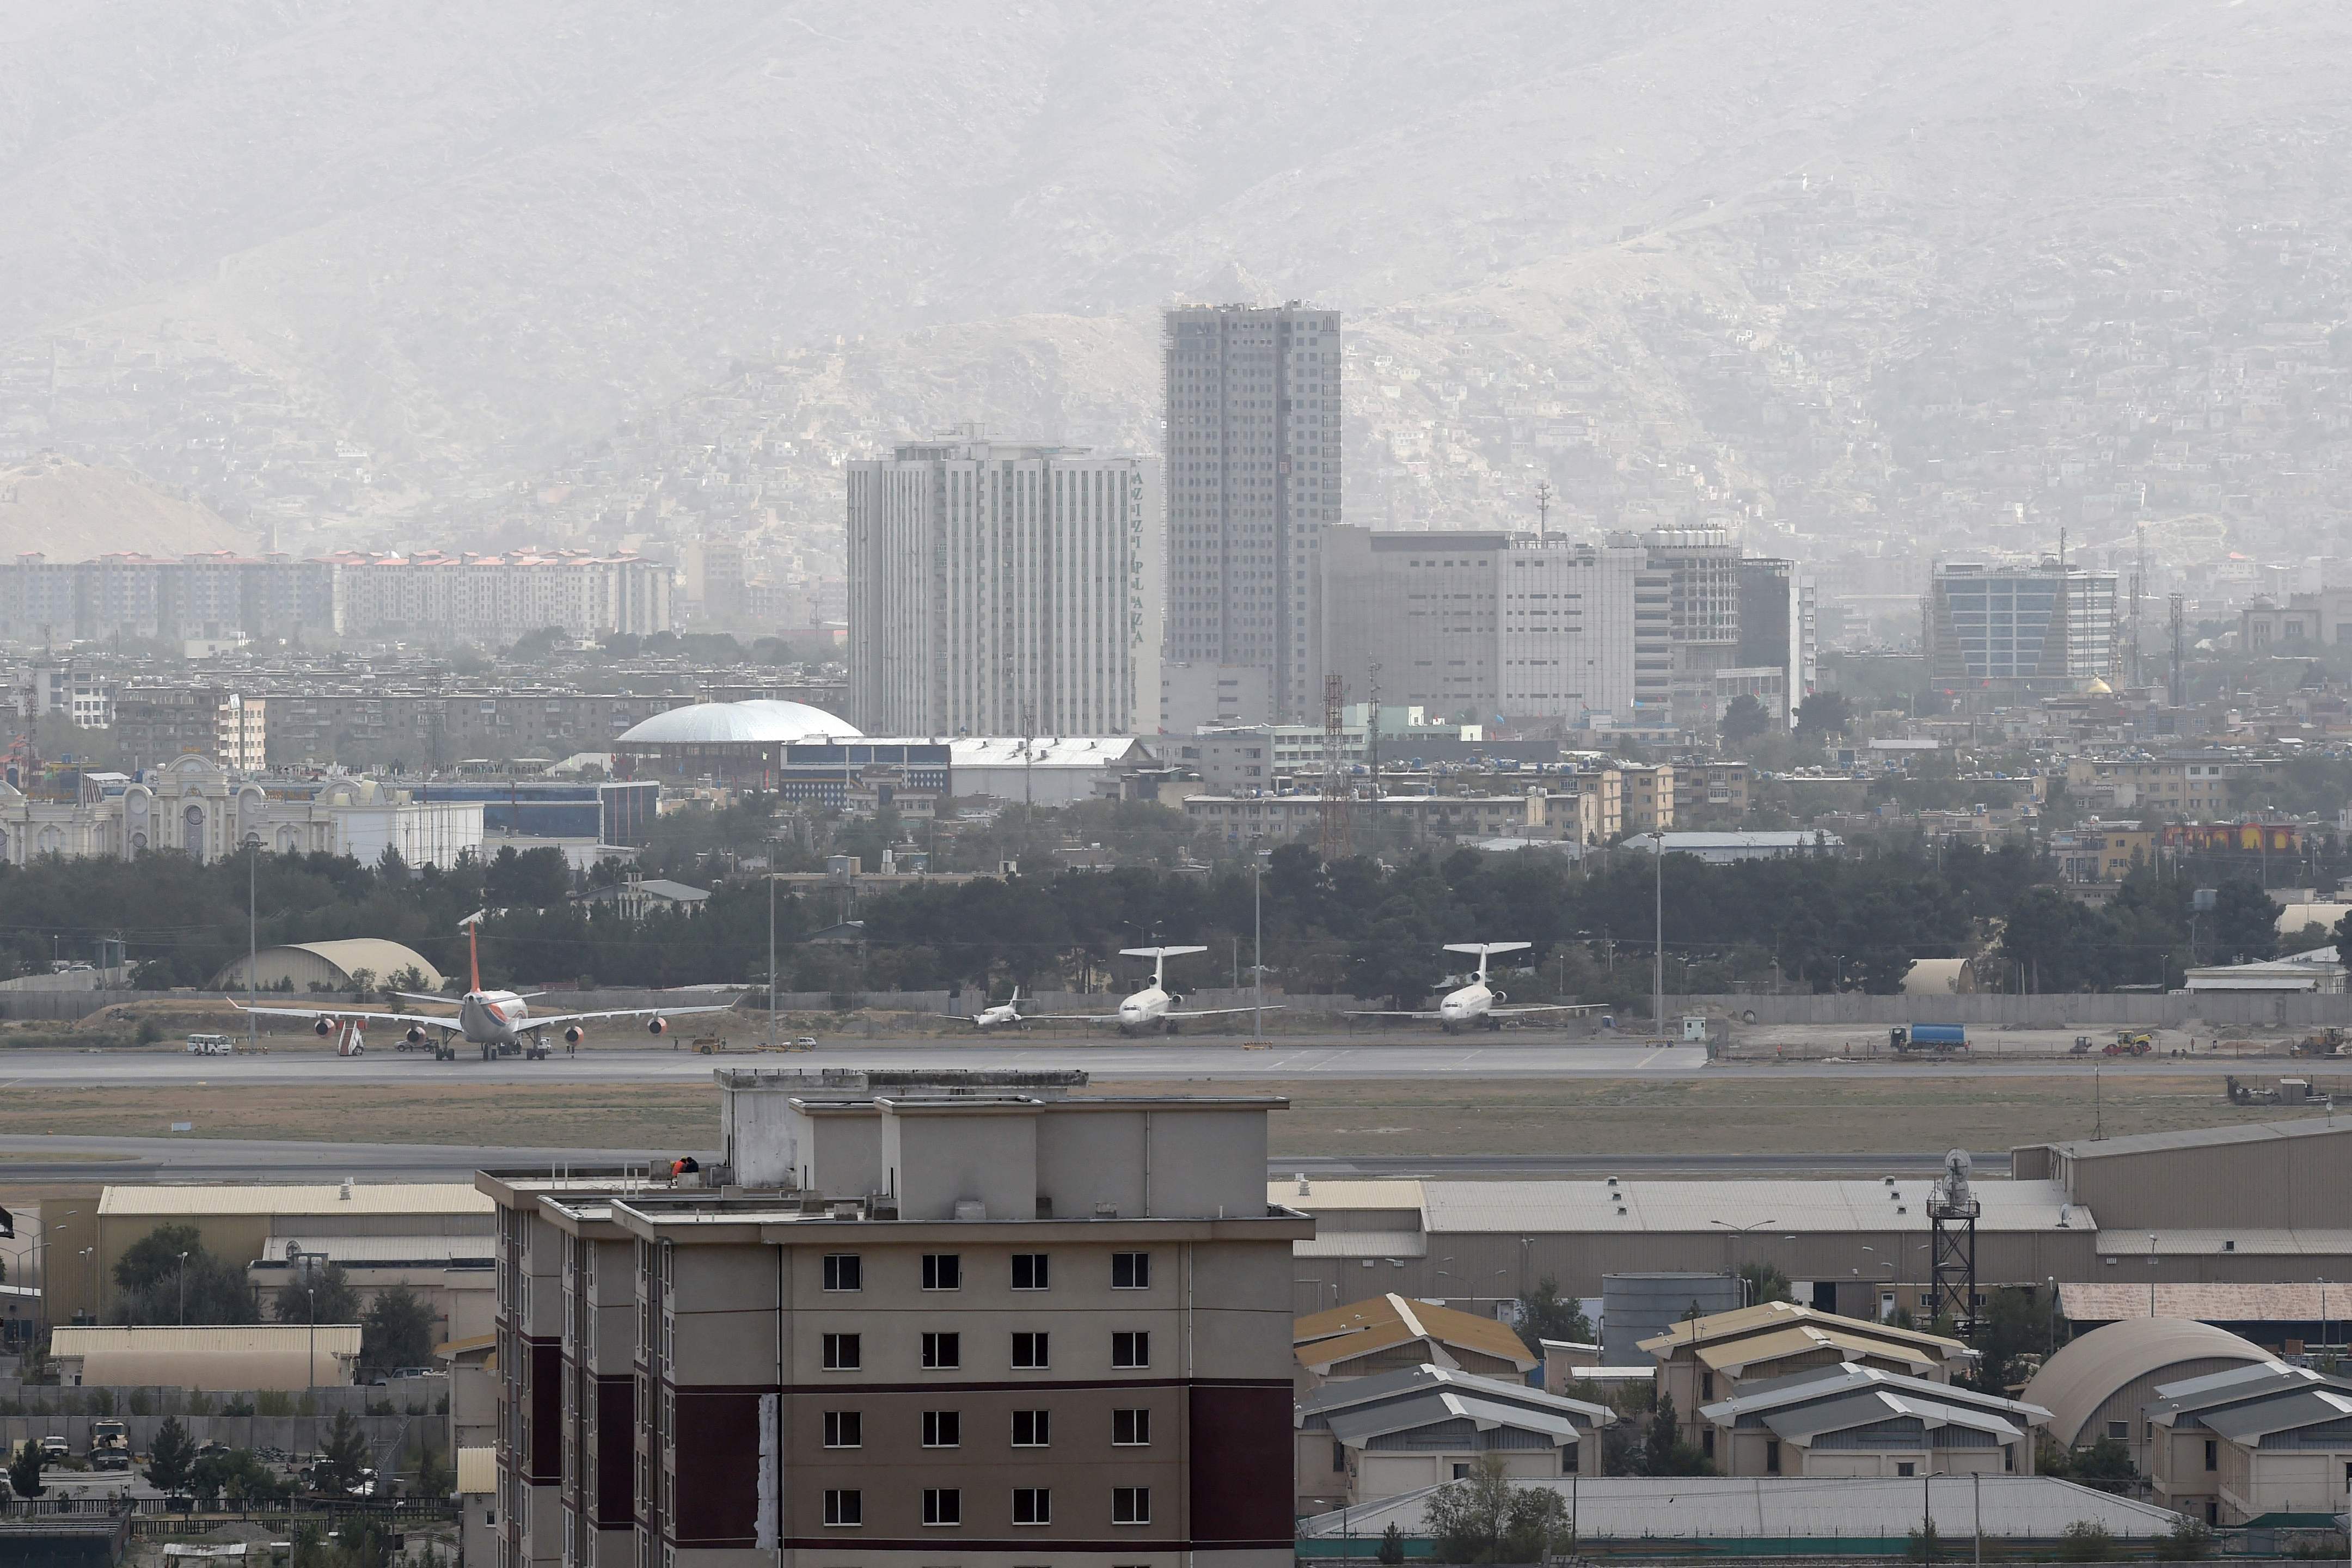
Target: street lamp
1257 943
184 1289
1658 945
1730 1230
310 1357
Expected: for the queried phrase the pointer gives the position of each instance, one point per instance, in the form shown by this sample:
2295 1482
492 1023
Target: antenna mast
1337 794
1543 511
2177 697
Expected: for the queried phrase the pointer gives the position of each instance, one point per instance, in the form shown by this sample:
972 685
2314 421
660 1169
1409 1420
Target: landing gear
1174 1027
489 1051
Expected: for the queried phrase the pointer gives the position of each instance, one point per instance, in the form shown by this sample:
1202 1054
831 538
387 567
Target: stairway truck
1928 1038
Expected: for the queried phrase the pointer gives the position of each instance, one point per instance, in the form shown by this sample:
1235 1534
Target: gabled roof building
1370 1438
1852 1420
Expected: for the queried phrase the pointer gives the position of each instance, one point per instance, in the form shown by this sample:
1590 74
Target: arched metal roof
381 958
2087 1372
760 720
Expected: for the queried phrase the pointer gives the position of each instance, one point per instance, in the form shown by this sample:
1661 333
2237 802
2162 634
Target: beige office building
985 1328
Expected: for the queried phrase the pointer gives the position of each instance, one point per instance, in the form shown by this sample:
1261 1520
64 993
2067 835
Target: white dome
761 721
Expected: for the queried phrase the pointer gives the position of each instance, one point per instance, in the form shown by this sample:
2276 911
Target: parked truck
109 1445
1928 1038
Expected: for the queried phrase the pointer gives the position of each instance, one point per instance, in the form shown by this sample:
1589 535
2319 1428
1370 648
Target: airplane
998 1016
1155 1004
496 1020
1472 1006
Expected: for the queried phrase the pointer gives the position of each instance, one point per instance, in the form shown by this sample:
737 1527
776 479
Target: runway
1387 1057
30 1071
192 1159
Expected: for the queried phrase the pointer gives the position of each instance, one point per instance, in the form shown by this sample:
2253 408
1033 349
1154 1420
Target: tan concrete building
1712 1358
2258 1443
1849 1420
1367 1439
983 1328
1649 797
2096 1385
247 1357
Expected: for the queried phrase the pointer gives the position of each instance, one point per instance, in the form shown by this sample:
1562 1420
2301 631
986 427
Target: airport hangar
2255 1202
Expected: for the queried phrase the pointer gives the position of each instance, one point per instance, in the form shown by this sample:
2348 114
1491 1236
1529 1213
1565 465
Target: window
942 1271
1033 1505
1339 1457
943 1505
1032 1429
1461 1472
1029 1350
1130 1505
1130 1272
841 1352
843 1429
943 1350
1706 1385
1905 1467
1771 1458
843 1271
1706 1443
2120 1430
1130 1348
1029 1271
1130 1428
844 1506
2212 1454
943 1428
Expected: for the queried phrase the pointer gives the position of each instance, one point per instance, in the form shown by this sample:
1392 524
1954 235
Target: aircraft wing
1221 1012
1545 1008
1071 1017
555 1020
1386 1012
422 996
342 1016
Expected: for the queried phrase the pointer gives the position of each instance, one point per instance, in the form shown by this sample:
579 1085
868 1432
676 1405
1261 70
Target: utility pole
1658 945
252 947
1257 940
2179 696
772 950
1372 736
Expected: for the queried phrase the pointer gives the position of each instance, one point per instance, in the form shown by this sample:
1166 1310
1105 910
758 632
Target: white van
211 1046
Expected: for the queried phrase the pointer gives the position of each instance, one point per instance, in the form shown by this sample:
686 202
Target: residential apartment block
1001 589
1252 400
977 1328
432 593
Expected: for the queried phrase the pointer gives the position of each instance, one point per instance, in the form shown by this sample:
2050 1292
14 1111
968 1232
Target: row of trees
168 1276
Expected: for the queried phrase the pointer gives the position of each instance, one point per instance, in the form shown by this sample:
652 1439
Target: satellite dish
1957 1164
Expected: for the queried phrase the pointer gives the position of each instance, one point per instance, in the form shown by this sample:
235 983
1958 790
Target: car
402 1374
55 1448
804 1042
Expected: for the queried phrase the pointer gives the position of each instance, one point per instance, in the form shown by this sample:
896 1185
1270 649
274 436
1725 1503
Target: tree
1392 1552
2086 1540
397 1331
1545 1314
345 1453
168 1454
1482 1517
434 1478
2245 921
325 1296
168 1277
2188 1541
25 1470
2018 1319
1825 713
1743 721
1761 1282
2106 1465
1923 1544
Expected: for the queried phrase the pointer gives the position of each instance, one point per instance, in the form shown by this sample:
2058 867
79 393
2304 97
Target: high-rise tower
1252 433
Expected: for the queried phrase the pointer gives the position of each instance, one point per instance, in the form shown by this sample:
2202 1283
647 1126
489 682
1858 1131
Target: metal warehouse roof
384 1251
2204 1137
1631 1508
1322 1196
2131 1243
370 1198
2101 1302
1517 1208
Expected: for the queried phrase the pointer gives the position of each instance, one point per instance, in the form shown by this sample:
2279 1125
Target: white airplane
1005 1012
496 1020
1474 1005
1155 1006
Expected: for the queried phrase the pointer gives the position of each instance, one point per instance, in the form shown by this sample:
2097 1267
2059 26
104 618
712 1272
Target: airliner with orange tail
496 1020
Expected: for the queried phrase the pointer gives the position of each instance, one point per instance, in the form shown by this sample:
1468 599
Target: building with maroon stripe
975 1329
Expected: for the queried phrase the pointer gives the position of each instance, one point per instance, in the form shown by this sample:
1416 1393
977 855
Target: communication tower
1953 1209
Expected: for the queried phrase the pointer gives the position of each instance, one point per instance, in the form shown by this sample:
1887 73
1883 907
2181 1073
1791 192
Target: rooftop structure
1390 1333
1367 1438
255 1356
2096 1384
1845 1418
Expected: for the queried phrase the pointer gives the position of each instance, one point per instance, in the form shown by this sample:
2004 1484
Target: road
130 1159
1389 1058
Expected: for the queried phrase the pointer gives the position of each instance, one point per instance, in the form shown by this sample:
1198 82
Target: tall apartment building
154 724
1002 589
1704 565
980 1328
1470 625
1254 483
434 594
210 595
1779 627
240 733
2015 622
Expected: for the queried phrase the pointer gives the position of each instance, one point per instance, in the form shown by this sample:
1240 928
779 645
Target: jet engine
1502 995
323 1028
416 1034
574 1035
1174 1000
657 1025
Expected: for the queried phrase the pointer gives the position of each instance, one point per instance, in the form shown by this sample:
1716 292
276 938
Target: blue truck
1928 1038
